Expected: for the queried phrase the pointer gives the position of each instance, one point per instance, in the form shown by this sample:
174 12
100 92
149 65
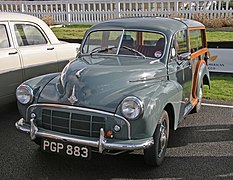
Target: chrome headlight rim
27 89
139 104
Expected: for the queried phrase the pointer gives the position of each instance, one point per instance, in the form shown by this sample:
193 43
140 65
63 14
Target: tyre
155 154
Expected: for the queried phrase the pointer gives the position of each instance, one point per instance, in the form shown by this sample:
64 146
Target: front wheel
155 154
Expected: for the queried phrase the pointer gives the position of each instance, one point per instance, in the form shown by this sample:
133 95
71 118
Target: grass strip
221 88
76 31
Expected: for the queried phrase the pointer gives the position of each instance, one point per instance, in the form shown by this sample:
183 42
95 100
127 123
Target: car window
27 34
133 43
182 45
150 44
4 40
102 39
179 45
195 40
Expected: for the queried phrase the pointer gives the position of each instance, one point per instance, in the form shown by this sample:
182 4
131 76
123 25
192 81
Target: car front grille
72 123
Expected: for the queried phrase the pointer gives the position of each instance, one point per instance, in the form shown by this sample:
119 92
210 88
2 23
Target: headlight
24 94
132 107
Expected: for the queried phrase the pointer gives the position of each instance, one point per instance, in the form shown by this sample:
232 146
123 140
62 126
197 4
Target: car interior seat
150 51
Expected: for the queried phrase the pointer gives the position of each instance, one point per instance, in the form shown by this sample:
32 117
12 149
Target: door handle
12 53
49 49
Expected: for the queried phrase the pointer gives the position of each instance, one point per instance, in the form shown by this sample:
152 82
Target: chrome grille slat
70 119
91 127
60 127
51 120
79 120
72 123
80 130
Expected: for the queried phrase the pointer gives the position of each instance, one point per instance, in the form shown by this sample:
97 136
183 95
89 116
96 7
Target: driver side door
180 70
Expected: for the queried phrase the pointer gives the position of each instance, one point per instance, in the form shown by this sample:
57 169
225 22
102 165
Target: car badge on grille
72 99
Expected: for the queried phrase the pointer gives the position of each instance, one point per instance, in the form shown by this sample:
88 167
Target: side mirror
184 57
173 53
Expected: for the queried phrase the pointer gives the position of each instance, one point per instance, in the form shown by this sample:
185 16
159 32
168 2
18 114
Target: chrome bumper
102 143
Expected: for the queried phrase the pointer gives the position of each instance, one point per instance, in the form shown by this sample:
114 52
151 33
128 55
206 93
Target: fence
93 11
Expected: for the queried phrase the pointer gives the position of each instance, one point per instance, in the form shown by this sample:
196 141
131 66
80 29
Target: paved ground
202 148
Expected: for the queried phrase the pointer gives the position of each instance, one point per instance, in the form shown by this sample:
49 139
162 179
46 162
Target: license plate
64 148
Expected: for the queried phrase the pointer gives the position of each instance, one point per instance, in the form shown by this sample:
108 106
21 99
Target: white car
28 48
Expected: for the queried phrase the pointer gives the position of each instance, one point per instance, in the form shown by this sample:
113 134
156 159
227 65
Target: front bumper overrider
102 143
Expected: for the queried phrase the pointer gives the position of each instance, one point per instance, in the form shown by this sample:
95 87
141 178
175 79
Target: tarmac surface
201 148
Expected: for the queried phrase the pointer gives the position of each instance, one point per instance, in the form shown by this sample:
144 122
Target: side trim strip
199 53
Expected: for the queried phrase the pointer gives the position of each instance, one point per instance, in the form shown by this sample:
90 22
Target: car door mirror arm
178 61
184 56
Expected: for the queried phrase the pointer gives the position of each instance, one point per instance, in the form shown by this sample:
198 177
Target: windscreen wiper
98 50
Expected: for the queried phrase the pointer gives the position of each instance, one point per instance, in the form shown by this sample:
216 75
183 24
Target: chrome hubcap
163 138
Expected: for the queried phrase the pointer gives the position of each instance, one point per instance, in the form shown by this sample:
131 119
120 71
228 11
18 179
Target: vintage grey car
134 80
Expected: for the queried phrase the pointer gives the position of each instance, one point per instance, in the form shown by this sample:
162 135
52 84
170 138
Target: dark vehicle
133 81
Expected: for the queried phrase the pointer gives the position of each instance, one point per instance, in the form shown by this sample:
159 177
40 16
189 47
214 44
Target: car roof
19 17
166 25
8 16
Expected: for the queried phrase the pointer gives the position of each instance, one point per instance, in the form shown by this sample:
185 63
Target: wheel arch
206 80
171 114
37 84
203 78
167 95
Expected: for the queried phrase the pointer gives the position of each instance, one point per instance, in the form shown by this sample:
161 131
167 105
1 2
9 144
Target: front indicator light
109 134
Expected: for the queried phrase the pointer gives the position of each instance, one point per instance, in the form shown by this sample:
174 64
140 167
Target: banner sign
224 62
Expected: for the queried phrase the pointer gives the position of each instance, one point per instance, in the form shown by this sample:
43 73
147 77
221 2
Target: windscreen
131 43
